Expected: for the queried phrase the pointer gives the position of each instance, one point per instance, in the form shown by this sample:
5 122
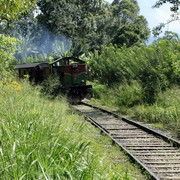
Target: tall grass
44 139
164 111
33 141
127 98
125 95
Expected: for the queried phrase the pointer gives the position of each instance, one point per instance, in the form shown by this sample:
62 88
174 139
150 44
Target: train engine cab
72 75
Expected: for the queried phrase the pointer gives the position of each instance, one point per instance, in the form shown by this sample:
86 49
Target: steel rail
147 129
174 142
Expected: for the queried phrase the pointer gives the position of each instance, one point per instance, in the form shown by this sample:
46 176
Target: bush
155 67
128 94
7 59
51 86
99 90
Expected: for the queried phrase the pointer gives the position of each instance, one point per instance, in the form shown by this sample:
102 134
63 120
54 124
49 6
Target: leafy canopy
90 24
174 17
13 9
133 28
10 10
174 4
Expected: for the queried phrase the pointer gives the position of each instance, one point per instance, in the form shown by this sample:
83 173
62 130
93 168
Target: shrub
51 86
128 94
7 59
99 90
155 67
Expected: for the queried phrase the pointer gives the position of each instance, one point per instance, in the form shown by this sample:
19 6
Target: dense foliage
10 11
89 24
7 49
131 28
57 27
155 67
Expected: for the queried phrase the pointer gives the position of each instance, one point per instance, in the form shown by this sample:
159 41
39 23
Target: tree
132 33
10 11
174 4
132 28
126 10
174 17
90 24
77 20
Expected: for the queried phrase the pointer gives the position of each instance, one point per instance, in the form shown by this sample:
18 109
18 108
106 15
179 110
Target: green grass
165 111
44 139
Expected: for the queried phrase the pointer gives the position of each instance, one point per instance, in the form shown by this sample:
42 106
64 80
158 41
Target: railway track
158 154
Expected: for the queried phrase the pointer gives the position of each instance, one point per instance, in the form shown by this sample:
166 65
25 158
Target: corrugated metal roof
31 65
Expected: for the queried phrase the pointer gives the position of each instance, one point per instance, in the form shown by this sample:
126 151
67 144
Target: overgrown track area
158 154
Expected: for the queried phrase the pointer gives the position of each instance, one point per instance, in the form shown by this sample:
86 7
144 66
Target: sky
155 16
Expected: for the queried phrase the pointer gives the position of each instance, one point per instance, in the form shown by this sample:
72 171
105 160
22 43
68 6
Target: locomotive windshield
66 61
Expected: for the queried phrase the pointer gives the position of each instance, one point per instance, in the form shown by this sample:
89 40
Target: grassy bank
44 139
127 99
164 113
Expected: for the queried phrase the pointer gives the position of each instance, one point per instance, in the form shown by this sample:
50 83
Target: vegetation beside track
163 114
43 139
142 82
